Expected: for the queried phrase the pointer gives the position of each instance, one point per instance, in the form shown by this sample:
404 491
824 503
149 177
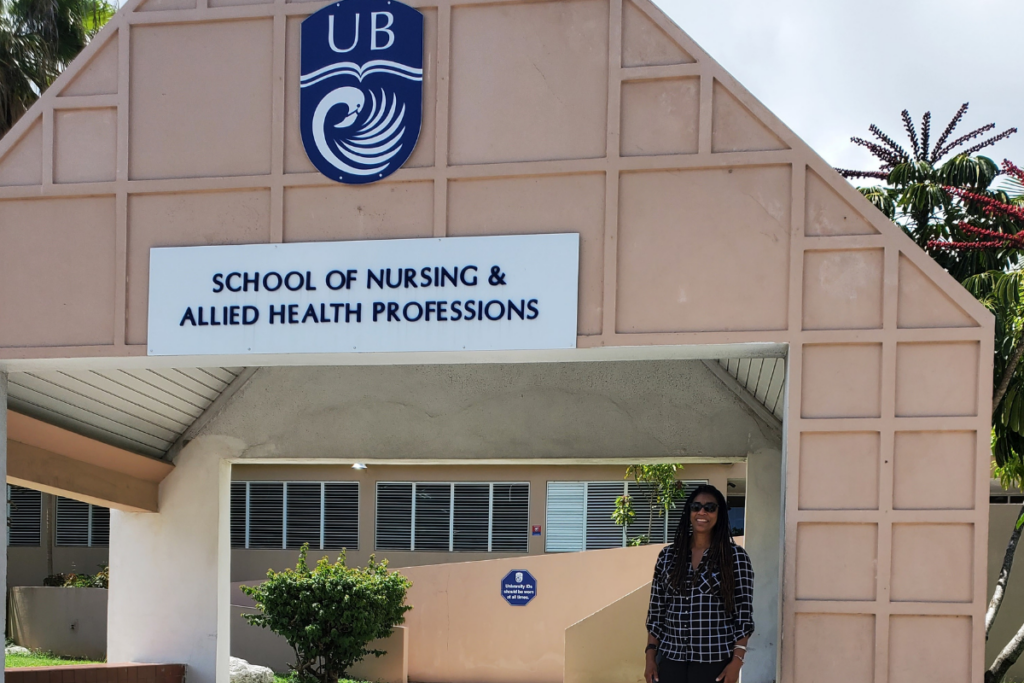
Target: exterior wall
593 116
249 565
169 581
1011 615
71 622
460 646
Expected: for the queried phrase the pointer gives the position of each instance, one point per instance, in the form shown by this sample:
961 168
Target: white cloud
829 69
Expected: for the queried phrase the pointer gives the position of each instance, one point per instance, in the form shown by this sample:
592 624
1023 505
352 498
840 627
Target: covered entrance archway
703 222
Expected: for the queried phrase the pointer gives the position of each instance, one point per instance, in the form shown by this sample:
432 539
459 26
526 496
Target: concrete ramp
608 646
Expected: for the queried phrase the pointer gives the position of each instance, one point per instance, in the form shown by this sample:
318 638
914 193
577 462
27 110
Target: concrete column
170 570
3 468
763 537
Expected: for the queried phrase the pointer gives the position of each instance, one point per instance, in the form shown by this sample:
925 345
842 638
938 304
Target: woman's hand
651 670
731 673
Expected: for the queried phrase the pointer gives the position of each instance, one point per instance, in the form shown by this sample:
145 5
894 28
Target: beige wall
69 622
459 617
606 646
703 221
248 565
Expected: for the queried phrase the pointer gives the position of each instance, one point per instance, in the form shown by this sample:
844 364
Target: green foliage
38 39
42 659
100 579
330 613
659 492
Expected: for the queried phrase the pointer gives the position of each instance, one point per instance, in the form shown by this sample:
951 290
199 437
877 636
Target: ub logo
519 577
361 90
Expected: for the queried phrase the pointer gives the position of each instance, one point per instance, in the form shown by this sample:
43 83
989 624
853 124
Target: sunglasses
707 507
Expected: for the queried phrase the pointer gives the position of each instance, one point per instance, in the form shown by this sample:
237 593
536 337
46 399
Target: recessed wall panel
937 379
932 562
200 99
839 471
843 289
818 658
836 561
23 162
660 117
529 81
703 250
923 304
936 649
828 214
57 272
84 145
934 470
842 380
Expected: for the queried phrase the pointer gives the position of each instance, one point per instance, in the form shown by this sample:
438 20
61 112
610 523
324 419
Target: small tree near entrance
659 491
330 613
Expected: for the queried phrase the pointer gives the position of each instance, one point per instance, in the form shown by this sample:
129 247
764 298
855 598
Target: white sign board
444 294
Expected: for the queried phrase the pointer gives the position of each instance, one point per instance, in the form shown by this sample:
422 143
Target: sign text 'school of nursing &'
436 294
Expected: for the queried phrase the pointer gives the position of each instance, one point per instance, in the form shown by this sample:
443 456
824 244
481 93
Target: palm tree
916 177
38 39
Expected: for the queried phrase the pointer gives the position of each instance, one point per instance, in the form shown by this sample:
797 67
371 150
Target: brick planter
98 673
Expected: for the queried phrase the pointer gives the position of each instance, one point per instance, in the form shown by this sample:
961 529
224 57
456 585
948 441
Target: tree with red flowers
946 197
1000 233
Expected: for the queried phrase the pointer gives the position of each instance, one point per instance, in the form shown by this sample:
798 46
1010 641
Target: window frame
90 514
284 511
39 518
451 514
586 509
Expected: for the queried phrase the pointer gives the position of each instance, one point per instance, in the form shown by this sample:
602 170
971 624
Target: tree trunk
1004 575
1011 366
1006 659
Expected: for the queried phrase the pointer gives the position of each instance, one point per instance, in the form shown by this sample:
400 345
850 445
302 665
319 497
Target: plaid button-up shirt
691 624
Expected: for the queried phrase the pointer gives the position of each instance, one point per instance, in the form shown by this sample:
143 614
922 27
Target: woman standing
700 616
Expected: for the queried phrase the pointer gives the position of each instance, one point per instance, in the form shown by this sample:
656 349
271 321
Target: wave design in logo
365 151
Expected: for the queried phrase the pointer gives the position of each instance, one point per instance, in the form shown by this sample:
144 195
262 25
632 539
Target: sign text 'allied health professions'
444 294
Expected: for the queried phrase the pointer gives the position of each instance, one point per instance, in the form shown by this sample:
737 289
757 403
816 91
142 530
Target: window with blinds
285 514
452 517
579 516
24 516
81 524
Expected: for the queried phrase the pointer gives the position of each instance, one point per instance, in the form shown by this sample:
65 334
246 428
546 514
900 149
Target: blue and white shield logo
361 100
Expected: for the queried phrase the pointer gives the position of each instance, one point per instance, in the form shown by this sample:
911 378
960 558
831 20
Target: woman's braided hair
720 554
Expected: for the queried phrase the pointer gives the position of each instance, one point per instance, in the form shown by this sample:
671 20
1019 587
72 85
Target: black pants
689 672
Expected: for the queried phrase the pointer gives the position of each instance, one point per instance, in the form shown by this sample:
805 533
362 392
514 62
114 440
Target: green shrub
329 614
100 579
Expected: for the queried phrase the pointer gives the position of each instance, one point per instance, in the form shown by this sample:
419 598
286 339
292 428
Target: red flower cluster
990 239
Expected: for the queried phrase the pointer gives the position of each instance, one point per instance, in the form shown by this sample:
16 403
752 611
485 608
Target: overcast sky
830 68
